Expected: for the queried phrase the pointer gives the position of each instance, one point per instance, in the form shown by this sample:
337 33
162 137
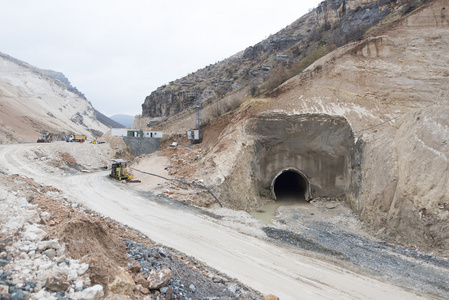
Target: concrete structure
139 142
142 145
302 155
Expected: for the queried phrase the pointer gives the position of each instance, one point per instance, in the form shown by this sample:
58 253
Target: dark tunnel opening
291 185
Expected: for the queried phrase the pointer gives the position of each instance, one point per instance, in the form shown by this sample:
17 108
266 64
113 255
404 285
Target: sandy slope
285 272
33 103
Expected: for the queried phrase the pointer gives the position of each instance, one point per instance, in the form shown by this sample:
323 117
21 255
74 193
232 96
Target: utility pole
195 135
198 135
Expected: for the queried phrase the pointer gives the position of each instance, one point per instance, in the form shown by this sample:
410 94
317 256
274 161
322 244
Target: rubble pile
33 264
52 248
158 270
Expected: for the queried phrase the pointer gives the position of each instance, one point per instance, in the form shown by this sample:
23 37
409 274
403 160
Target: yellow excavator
119 169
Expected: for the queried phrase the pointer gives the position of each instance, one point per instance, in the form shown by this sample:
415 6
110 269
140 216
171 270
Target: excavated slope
367 122
35 102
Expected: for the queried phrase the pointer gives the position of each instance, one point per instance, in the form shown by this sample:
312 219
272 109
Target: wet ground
267 212
331 229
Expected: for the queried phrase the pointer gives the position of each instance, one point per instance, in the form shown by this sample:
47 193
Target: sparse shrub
309 59
282 74
321 43
278 77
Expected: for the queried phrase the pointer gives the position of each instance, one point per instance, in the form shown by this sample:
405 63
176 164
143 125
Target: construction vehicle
119 169
79 138
44 139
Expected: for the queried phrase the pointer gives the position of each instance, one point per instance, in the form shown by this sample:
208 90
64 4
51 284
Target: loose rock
92 293
123 283
158 279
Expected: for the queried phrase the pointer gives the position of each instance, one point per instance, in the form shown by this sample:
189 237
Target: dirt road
271 269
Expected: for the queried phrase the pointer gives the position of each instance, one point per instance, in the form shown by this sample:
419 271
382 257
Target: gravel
334 236
187 282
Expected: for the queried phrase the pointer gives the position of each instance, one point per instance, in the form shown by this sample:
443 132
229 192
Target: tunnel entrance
290 184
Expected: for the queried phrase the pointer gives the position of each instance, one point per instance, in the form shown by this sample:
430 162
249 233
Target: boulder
79 285
83 269
93 293
34 233
135 268
232 288
159 278
139 279
143 290
56 284
123 283
50 253
51 244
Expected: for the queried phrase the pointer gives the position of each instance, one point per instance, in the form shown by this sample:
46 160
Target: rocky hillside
36 102
261 68
367 123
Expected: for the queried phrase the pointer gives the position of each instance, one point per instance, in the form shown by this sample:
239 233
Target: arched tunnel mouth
290 184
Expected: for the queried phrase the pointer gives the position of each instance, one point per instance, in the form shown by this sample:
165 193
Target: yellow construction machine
119 169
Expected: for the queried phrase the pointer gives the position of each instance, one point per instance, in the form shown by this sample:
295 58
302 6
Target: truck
79 138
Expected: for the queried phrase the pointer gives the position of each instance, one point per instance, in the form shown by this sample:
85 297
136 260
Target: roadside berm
52 248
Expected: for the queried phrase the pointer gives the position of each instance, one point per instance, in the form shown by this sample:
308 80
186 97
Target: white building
136 133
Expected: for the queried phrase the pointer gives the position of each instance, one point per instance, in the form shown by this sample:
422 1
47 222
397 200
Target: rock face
36 102
333 22
353 16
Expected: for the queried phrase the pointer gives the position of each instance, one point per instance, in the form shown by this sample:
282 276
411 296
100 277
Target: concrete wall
141 145
317 145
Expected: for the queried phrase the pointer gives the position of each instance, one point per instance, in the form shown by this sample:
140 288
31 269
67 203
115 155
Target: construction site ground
316 250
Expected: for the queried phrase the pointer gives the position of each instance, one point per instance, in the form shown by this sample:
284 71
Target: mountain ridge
36 102
260 68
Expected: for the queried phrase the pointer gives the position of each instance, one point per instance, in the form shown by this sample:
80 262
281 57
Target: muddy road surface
270 268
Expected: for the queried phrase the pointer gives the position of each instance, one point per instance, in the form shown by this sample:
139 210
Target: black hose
183 182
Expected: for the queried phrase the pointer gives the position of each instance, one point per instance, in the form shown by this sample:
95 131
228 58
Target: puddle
266 212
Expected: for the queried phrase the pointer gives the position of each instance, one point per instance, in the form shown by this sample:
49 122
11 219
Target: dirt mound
70 161
96 243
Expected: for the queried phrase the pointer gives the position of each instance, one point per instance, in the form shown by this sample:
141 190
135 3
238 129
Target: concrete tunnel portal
290 184
301 156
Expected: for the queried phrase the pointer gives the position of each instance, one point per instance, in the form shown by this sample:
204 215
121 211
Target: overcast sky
118 52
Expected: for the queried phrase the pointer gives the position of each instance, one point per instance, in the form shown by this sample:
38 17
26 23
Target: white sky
118 52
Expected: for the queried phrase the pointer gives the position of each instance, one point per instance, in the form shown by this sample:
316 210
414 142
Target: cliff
262 67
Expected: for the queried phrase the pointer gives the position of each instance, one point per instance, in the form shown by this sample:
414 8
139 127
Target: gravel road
288 272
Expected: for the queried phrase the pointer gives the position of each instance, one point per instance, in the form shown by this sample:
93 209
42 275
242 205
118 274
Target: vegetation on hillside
260 69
